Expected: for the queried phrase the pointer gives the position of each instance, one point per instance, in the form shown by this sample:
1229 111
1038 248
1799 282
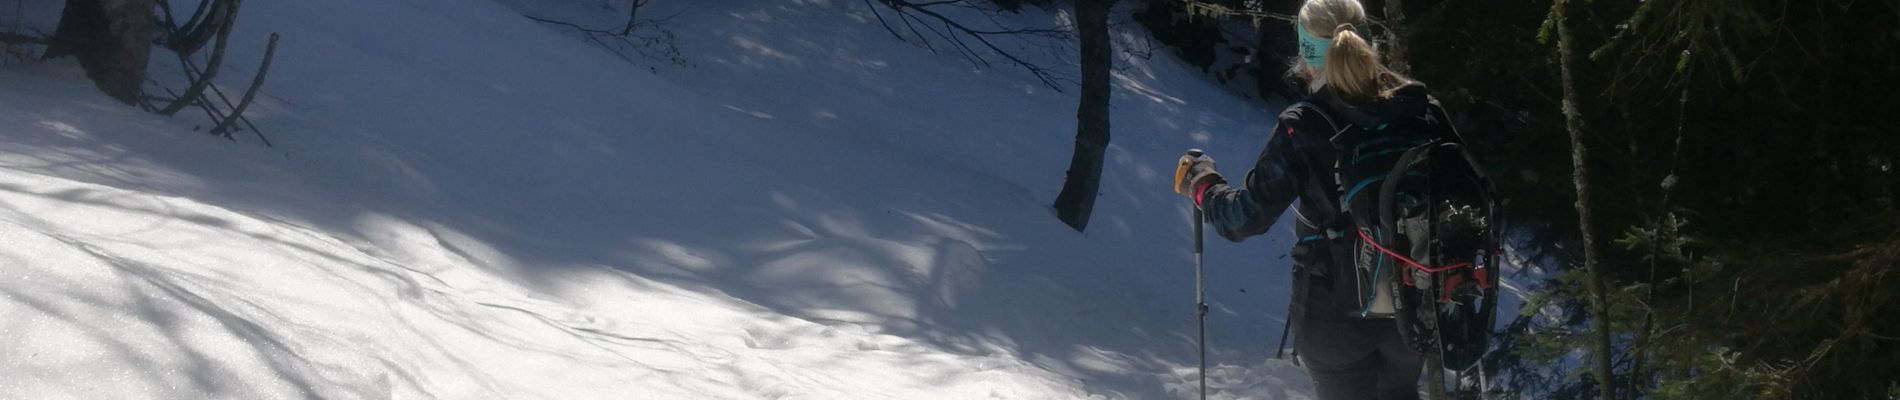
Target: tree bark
1077 200
1573 121
112 40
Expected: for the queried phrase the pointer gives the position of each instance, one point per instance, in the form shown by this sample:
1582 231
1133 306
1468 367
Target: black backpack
1421 245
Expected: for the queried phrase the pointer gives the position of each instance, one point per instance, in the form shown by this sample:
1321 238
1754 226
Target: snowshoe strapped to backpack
1426 223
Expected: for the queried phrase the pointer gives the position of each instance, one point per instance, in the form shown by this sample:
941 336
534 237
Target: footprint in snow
765 339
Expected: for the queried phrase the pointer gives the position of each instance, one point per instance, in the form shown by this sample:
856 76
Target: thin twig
203 25
633 14
907 18
204 107
12 38
955 33
219 94
197 16
881 21
626 34
250 94
1221 10
211 68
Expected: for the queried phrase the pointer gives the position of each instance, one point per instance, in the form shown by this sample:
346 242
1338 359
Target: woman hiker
1348 356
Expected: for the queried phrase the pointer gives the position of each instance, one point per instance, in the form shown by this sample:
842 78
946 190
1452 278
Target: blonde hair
1352 67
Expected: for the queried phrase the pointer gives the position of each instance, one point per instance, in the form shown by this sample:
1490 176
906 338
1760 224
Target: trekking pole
1200 301
1200 291
1484 381
1284 330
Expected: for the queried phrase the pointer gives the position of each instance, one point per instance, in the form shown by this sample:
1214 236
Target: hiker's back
1420 224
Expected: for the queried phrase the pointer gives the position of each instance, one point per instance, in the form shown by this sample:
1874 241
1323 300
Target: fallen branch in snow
17 38
210 17
633 17
249 95
19 45
628 34
147 104
211 68
211 22
955 33
210 108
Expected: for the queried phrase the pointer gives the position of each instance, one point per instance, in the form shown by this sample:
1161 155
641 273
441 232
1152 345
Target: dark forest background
1742 157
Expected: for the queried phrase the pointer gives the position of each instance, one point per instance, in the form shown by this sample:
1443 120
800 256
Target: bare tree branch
211 108
211 68
907 18
633 17
960 36
205 22
249 95
211 113
16 38
197 16
628 35
882 22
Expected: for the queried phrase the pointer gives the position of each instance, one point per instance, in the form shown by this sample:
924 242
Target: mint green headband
1312 48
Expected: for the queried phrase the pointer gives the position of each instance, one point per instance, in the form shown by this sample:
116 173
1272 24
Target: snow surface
466 204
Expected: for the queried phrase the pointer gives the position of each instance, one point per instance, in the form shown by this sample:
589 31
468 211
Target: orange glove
1194 174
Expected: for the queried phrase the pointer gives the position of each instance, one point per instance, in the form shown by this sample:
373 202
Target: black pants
1358 359
1349 358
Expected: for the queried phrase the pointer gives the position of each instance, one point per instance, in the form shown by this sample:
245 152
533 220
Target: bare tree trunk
112 40
1573 121
1077 199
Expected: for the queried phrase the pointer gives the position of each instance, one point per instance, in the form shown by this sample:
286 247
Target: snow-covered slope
464 204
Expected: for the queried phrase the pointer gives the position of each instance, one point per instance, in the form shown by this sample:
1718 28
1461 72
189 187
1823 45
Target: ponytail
1352 69
1345 61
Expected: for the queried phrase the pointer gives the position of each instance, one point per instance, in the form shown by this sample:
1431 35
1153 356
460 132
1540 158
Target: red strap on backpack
1407 260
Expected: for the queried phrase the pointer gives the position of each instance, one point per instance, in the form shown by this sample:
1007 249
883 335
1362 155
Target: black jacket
1299 164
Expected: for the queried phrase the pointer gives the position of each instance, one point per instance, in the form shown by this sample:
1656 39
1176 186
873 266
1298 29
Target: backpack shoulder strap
1322 175
1328 218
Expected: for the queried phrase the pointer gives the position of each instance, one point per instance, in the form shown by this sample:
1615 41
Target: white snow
465 204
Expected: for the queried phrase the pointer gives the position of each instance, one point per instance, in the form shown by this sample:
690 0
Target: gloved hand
1194 173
